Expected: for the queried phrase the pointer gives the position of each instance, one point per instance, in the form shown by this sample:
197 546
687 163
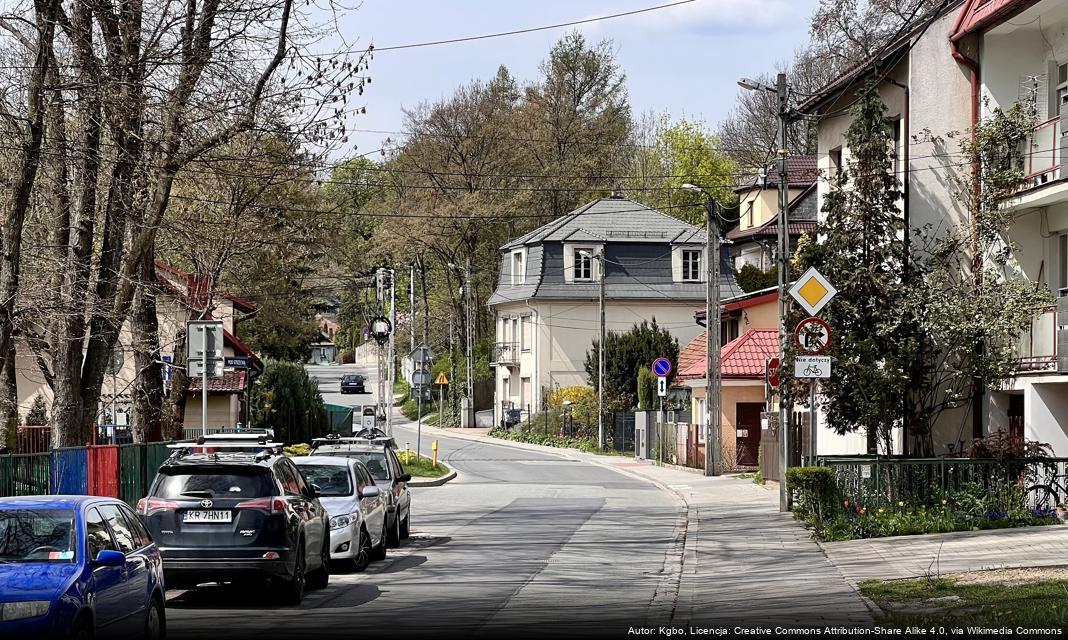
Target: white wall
1046 414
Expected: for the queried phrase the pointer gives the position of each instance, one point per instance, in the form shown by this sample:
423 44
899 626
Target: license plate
206 516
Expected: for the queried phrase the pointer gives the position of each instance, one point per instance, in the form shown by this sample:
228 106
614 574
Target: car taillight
266 505
149 506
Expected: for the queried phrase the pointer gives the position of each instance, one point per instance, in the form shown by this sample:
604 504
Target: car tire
363 556
320 578
406 526
393 533
292 591
155 621
379 552
83 628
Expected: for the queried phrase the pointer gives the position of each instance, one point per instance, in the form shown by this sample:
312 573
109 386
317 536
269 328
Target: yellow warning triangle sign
441 379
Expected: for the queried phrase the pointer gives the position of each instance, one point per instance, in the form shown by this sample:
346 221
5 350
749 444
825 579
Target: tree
751 278
38 413
972 306
646 389
862 253
286 399
626 354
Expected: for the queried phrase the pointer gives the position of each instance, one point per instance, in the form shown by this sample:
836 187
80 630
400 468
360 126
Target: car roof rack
261 447
358 439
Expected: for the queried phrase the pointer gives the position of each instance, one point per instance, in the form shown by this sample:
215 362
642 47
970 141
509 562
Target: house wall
765 205
1046 413
759 316
223 411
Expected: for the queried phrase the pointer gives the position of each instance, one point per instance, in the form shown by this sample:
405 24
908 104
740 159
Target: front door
747 426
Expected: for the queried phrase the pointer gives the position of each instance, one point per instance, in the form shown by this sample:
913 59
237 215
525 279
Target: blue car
77 567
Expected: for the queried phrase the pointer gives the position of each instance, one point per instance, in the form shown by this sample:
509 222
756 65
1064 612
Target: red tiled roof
230 382
742 358
801 172
693 354
240 303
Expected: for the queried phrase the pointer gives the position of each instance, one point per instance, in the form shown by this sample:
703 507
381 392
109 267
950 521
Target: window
583 264
527 333
97 534
897 148
700 419
749 212
728 330
691 265
518 268
288 480
1063 263
836 163
233 483
120 528
524 399
515 332
140 534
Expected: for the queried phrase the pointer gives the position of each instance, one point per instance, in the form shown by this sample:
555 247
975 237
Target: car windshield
374 460
186 484
333 481
37 535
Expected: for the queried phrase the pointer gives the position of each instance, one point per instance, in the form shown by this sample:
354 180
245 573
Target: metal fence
878 481
118 471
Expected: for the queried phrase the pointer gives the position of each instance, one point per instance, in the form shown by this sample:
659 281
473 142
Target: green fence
25 474
878 481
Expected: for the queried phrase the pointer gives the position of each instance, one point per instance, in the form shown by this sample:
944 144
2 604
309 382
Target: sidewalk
738 558
918 556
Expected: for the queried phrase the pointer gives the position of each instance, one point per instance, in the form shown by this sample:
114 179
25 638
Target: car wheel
406 526
393 535
83 629
293 589
155 622
321 577
363 556
379 552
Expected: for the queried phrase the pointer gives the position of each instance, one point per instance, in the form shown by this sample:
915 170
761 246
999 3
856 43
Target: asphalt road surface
521 544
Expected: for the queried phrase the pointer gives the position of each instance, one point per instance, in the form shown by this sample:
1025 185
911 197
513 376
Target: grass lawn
1032 598
422 467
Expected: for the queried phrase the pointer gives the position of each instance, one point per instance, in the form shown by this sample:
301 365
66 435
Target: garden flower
945 502
901 503
845 503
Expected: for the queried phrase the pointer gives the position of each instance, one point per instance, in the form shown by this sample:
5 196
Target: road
521 544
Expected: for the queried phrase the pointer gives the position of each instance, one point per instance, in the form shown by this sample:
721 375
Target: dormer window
584 264
691 265
518 267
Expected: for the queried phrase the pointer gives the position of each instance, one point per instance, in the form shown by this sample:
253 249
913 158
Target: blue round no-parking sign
662 367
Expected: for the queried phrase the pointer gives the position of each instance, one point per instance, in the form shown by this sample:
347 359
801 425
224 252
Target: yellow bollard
435 447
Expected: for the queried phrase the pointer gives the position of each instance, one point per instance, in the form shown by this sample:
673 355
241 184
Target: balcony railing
1043 153
1037 347
506 353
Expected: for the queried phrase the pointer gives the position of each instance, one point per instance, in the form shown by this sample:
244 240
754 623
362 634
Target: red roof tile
240 303
743 358
694 353
230 382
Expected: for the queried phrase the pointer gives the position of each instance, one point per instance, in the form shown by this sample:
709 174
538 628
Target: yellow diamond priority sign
812 291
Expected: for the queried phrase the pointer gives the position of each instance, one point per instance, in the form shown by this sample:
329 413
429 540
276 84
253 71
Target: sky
683 60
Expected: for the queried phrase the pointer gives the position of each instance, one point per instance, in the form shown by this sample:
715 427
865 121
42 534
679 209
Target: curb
436 482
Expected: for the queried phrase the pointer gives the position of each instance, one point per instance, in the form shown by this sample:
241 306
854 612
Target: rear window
353 378
333 481
213 482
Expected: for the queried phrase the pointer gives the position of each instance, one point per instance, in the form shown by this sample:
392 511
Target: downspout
906 447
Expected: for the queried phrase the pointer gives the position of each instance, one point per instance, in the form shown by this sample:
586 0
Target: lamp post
781 91
468 321
713 366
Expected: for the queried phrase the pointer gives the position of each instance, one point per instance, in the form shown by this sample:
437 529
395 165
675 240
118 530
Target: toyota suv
227 513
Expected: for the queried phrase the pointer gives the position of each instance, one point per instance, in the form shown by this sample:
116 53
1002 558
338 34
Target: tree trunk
148 385
174 405
15 217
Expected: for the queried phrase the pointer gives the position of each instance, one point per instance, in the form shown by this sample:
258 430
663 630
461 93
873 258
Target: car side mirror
109 558
370 492
405 478
315 491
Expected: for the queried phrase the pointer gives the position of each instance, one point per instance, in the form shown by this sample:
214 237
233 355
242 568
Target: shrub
751 278
38 414
286 399
347 357
646 389
1001 446
814 492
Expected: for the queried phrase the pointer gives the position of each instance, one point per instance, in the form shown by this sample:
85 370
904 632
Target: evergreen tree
626 354
862 255
38 414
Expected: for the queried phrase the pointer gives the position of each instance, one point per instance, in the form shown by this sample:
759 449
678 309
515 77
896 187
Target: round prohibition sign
812 336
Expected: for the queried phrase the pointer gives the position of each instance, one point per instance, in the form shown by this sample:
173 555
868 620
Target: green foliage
751 278
283 326
38 413
286 399
410 409
583 406
421 467
814 491
295 450
628 353
534 436
863 255
758 477
646 389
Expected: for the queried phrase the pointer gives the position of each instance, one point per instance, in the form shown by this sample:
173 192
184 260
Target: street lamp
469 320
713 384
785 116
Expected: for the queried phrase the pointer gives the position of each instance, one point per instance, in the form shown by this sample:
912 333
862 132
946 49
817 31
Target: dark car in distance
223 514
353 383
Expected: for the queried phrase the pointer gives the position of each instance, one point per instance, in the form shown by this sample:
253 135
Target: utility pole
411 305
452 367
470 345
782 93
601 268
713 366
392 348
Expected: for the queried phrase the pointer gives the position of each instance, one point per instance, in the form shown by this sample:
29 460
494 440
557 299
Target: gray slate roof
612 220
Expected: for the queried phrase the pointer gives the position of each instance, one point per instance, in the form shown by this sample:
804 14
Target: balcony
1037 347
1043 158
505 353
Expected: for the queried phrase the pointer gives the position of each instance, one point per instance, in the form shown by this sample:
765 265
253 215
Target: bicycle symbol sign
813 336
812 367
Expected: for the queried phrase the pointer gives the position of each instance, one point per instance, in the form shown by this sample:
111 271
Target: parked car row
227 508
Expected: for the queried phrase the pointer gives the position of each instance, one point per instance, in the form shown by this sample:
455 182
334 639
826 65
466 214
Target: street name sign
812 367
812 291
813 336
237 362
